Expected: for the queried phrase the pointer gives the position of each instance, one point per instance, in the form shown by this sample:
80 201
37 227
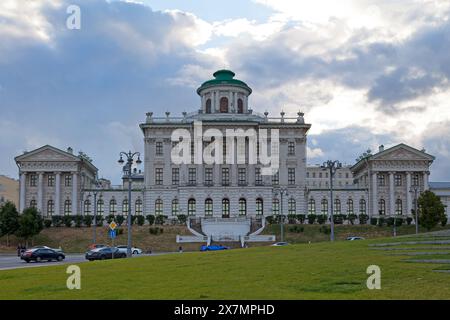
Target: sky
365 72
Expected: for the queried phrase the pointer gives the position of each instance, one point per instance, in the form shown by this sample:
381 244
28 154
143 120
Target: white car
279 244
133 249
354 238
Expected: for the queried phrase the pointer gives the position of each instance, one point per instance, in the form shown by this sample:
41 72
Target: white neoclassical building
58 182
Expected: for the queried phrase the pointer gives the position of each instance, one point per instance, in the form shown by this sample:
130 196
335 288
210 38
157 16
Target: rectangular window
175 176
225 176
158 176
68 180
159 148
276 178
208 176
291 148
258 177
381 180
242 175
415 180
192 176
51 180
33 180
291 176
398 180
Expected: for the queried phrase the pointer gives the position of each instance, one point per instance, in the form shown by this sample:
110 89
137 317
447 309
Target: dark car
42 254
104 253
213 248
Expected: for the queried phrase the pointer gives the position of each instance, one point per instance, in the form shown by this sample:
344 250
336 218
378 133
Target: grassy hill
303 271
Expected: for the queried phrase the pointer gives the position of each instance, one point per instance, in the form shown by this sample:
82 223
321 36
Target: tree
9 220
30 224
431 210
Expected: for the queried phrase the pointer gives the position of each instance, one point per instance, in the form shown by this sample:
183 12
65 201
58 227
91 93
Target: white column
40 191
23 181
235 102
408 193
57 193
374 194
74 193
391 193
425 180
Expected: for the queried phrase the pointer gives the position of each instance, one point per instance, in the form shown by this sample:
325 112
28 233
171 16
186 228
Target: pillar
22 182
40 191
391 193
425 180
74 193
57 193
374 194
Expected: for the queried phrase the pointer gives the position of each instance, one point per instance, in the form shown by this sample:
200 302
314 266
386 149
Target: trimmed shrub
109 218
160 219
140 220
78 219
301 218
182 218
339 218
155 230
120 219
325 229
409 220
444 221
119 231
151 219
56 221
322 218
381 221
311 218
292 218
87 220
67 221
99 220
47 223
363 218
373 221
133 219
296 229
352 217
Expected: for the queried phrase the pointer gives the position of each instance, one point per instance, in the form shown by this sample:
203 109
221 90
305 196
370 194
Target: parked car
213 248
353 238
42 254
133 250
104 253
279 244
45 247
96 246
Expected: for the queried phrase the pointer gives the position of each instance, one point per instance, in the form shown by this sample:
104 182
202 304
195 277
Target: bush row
340 219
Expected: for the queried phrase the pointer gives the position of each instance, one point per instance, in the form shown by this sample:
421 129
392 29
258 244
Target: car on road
42 254
96 246
213 248
279 244
45 247
133 250
353 238
104 253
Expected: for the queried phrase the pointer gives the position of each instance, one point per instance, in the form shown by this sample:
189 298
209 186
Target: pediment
403 152
47 153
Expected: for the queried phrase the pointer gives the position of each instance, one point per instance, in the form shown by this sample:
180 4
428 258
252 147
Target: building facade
9 190
234 184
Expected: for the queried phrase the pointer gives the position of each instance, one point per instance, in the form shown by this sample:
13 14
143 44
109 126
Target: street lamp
415 190
95 191
332 167
281 191
127 169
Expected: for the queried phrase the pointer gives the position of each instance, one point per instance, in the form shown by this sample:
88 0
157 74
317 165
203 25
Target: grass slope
304 271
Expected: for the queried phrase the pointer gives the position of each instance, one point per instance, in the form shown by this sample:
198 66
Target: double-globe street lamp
281 192
127 170
415 190
332 167
95 192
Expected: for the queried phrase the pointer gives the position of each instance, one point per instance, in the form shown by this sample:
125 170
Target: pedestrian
19 249
180 249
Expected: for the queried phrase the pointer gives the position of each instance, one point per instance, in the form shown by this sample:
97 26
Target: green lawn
303 271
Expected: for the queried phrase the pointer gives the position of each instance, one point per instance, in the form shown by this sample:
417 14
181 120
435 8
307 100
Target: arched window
324 206
208 207
158 207
125 207
362 206
225 208
175 207
87 207
138 206
350 206
275 206
240 106
67 207
208 106
100 204
113 206
224 105
292 206
33 204
337 206
259 206
50 207
398 206
191 207
311 206
382 207
242 207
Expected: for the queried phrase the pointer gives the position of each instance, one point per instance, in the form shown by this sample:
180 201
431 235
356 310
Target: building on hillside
9 190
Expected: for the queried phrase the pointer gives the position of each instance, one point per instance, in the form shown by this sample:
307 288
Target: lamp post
415 190
281 191
127 169
332 167
95 192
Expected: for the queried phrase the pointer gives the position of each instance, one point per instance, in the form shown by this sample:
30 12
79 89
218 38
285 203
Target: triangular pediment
402 152
47 153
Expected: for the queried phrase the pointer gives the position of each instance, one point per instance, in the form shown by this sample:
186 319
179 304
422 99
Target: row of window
223 103
398 180
50 180
325 175
208 176
337 209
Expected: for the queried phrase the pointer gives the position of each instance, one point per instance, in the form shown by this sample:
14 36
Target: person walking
19 249
180 249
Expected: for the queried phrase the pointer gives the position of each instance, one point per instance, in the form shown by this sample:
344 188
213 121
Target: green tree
30 224
431 210
9 220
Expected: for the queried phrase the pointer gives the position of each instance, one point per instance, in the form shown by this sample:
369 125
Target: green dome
224 77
